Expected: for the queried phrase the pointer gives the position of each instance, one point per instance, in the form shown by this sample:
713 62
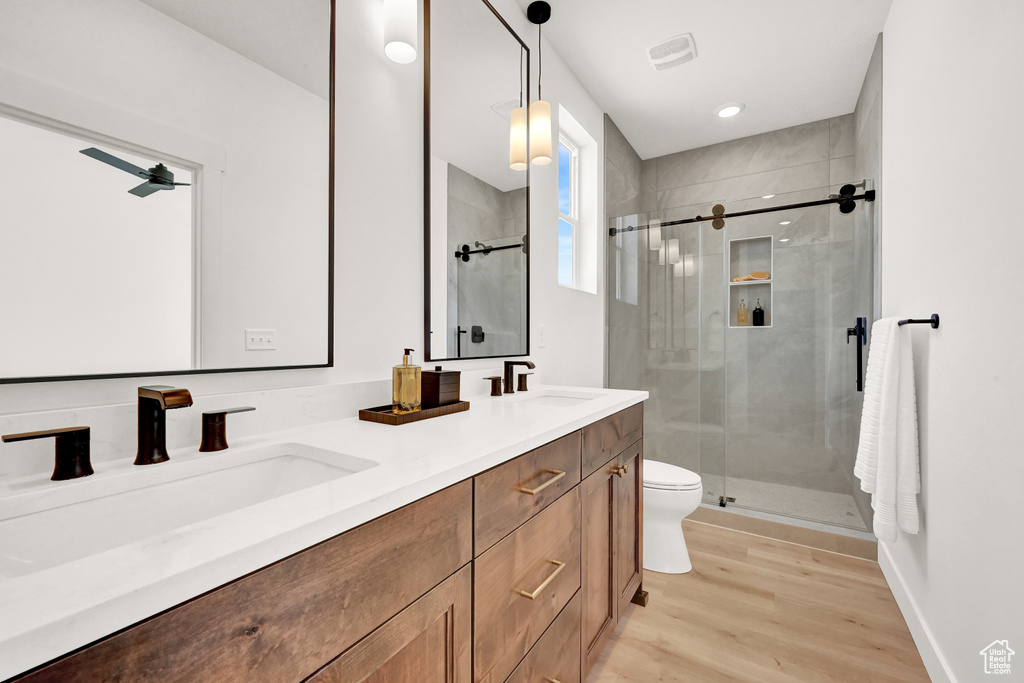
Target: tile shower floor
792 501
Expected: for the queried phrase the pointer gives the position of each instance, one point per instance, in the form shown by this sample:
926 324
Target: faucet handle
522 381
495 385
215 428
71 450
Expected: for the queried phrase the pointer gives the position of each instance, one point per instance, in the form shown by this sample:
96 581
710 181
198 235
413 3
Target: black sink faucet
154 401
509 365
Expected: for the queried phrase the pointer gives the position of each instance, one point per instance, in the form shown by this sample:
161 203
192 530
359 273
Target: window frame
573 217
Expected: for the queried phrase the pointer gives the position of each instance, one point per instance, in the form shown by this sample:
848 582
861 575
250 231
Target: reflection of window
568 211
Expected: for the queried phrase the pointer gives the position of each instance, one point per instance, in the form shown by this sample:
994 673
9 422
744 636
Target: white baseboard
937 666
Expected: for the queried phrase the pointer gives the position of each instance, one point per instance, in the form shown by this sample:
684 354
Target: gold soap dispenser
406 391
742 314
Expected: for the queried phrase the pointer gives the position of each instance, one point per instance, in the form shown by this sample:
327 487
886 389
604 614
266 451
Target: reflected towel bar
933 321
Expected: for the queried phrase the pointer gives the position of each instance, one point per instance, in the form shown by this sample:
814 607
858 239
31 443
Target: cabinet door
427 642
597 577
628 510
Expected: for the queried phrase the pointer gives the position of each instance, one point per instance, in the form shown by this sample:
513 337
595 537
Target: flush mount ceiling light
784 239
785 222
517 142
540 111
401 30
767 196
729 109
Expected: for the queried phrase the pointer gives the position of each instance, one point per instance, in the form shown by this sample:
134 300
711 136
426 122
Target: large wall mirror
477 220
166 183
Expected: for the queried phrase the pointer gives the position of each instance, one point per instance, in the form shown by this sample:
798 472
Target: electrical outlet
260 340
541 344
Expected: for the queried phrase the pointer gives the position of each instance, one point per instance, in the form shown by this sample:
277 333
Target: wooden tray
384 414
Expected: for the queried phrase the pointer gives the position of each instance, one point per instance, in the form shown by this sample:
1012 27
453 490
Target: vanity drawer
541 558
606 438
515 491
556 656
285 621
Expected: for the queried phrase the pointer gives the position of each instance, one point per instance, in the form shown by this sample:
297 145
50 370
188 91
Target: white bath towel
888 462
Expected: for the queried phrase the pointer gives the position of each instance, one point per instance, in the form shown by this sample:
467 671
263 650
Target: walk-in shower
767 414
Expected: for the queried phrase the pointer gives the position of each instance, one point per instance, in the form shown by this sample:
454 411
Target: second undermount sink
558 398
184 492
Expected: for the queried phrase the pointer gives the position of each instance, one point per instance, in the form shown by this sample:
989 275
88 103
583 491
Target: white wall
378 260
952 244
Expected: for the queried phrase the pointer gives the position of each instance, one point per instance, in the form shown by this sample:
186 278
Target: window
568 211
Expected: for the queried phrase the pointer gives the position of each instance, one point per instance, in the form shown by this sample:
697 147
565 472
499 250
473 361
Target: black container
440 387
758 315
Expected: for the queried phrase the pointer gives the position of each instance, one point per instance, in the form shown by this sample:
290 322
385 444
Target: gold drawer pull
540 588
552 680
533 492
620 470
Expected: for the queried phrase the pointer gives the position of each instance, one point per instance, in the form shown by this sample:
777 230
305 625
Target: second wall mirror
477 207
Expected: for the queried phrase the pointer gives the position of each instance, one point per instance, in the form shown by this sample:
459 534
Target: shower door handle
860 331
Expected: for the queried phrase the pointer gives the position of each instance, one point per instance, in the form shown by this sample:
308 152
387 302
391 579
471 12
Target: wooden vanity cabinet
518 574
612 552
286 621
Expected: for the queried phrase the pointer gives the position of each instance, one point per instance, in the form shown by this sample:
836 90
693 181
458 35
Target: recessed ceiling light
767 196
729 109
784 239
785 222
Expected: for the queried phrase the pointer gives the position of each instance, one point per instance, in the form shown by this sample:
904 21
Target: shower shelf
748 255
750 282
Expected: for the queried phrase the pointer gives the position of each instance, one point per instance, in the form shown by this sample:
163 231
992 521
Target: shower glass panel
487 299
767 415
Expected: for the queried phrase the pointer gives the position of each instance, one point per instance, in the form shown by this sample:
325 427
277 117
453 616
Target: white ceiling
788 61
289 37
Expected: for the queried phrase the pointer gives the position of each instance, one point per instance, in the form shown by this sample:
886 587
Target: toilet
670 494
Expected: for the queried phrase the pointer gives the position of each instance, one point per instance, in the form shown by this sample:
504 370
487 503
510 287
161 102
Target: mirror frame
330 273
427 357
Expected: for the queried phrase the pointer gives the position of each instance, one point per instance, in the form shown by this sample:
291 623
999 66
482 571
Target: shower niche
750 269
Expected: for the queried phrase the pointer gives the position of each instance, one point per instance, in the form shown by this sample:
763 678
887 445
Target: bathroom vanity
501 544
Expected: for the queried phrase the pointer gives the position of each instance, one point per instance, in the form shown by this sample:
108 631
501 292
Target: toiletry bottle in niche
405 393
742 313
758 315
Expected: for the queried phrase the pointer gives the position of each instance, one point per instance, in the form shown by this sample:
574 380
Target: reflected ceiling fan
157 178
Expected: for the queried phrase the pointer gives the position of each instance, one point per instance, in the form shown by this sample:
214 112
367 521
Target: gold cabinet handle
533 492
620 470
552 680
533 596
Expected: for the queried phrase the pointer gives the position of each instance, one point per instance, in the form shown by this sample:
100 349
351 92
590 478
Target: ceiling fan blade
100 155
144 190
186 184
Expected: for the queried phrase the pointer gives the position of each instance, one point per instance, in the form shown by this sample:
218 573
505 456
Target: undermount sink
554 398
143 503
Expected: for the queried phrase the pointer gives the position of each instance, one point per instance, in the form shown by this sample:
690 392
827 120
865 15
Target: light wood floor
758 609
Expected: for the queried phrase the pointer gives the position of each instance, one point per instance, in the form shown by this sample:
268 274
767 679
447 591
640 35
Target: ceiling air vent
504 108
672 52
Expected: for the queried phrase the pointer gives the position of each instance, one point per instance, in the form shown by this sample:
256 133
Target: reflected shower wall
768 415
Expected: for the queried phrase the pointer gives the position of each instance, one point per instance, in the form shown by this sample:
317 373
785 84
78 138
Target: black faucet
154 401
509 364
71 450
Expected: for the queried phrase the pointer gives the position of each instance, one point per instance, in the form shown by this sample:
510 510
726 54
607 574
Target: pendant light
654 233
517 146
540 111
401 30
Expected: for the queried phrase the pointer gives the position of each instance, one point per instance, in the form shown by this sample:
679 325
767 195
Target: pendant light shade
540 132
517 155
673 251
401 30
540 111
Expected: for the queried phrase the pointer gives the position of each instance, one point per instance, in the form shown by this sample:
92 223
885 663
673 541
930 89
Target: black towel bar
933 321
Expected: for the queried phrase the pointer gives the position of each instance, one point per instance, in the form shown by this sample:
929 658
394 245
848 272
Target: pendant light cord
540 62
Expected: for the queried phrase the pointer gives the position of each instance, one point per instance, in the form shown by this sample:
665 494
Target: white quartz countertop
47 613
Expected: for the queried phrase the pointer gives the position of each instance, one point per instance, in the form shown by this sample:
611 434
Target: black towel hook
933 321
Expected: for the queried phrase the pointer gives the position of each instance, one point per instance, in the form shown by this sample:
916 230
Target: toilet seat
666 477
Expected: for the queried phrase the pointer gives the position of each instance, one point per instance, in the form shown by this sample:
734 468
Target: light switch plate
260 340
